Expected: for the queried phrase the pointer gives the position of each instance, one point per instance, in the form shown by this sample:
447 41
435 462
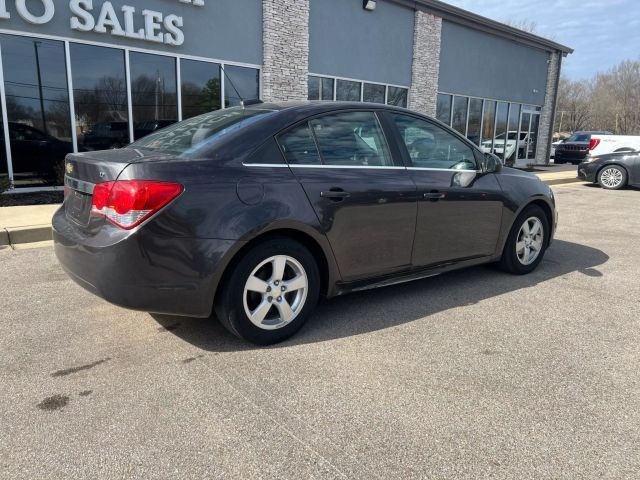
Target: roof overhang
478 22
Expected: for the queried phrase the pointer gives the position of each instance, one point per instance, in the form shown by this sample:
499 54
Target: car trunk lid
84 170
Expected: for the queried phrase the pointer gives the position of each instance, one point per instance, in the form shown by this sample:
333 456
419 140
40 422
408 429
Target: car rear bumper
141 270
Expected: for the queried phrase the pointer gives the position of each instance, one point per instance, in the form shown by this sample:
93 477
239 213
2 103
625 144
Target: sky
602 32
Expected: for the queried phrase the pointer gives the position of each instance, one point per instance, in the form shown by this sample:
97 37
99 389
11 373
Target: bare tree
574 105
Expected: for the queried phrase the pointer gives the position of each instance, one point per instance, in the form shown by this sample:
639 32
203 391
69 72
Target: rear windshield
579 137
190 135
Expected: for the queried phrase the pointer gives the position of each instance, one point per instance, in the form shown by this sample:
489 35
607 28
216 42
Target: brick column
545 130
285 35
426 63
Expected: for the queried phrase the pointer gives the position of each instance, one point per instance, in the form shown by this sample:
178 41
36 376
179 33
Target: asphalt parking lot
474 374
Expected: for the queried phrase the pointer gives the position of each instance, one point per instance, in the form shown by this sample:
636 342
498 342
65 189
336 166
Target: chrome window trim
443 170
358 167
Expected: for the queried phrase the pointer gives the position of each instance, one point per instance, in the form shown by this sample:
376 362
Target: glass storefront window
320 88
153 92
475 120
488 125
502 141
347 90
443 108
241 83
37 95
514 119
397 96
100 97
459 117
200 87
373 93
313 88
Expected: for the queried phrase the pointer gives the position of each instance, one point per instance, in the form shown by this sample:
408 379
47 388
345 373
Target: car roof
312 107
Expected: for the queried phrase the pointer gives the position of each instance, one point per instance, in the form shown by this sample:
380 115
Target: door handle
335 194
434 196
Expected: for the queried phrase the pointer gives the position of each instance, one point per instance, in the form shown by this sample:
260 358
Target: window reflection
352 138
488 125
443 108
373 93
397 96
37 109
475 120
514 119
153 92
299 147
503 143
459 119
200 87
100 97
241 83
347 90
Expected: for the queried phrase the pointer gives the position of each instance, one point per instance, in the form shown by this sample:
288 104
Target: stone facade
286 49
546 115
426 63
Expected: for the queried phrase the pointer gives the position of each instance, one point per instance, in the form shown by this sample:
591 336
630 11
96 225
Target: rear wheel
612 177
270 292
527 241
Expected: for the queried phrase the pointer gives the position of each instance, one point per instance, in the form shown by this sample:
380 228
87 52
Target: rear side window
351 139
299 147
430 146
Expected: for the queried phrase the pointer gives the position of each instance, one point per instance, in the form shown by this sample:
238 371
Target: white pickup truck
581 144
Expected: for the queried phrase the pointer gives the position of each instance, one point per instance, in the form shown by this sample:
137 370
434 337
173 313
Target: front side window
351 139
430 146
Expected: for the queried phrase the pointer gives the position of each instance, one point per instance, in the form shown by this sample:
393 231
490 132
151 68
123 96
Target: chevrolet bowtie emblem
69 168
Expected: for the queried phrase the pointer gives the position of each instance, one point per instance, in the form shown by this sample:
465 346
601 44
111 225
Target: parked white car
582 144
511 144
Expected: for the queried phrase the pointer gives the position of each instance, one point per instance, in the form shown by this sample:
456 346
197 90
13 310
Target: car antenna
234 87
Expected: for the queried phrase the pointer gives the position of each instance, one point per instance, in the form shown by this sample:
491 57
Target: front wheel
612 177
527 242
270 292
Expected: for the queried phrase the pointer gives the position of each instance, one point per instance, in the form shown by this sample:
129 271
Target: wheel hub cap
530 241
611 177
275 292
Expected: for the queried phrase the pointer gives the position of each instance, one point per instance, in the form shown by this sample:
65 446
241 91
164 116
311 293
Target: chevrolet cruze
251 214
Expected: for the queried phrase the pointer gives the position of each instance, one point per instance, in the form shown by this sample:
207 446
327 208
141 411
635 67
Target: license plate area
78 207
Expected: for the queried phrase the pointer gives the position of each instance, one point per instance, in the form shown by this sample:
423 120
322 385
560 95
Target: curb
20 235
563 181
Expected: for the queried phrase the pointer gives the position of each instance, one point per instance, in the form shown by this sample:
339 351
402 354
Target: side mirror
491 163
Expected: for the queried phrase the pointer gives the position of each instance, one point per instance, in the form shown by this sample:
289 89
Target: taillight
593 143
128 203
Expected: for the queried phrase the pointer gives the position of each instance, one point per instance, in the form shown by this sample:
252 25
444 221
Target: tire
278 312
514 256
612 177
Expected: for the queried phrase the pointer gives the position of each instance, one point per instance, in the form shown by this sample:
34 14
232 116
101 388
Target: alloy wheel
530 241
275 292
611 177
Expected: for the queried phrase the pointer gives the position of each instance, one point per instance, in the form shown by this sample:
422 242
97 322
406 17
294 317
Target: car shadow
372 310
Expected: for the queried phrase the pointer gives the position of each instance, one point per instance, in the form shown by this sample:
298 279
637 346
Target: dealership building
79 75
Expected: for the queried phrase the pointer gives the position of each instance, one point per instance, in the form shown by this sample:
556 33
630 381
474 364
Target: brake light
128 203
593 143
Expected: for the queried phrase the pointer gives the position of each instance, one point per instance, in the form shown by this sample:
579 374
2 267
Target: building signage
85 16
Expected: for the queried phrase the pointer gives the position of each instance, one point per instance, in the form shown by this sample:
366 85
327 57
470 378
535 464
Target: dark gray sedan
612 171
254 213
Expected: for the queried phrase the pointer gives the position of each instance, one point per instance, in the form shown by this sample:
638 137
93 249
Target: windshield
189 135
579 137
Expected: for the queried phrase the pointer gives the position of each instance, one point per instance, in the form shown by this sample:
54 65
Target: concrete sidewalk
25 225
32 224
